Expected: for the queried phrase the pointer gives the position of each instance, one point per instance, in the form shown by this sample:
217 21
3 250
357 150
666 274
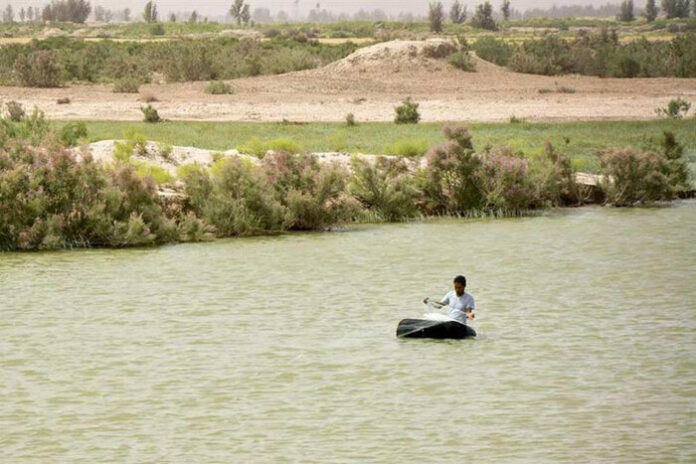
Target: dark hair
460 279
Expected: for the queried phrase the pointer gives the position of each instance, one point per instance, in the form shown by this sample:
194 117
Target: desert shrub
218 88
48 200
504 183
407 147
72 132
63 101
32 129
463 61
633 176
237 199
150 114
385 188
38 69
127 85
449 182
515 120
15 111
156 29
194 61
313 194
193 229
350 120
407 112
552 179
677 108
494 50
563 89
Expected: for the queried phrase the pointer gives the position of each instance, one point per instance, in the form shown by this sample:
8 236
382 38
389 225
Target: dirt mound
396 53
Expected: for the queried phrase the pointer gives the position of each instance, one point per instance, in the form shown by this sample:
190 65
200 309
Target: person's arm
444 302
470 309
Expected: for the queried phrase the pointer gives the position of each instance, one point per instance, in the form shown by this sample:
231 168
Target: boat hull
423 328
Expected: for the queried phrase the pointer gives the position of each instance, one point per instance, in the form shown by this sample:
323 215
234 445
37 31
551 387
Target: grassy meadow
580 140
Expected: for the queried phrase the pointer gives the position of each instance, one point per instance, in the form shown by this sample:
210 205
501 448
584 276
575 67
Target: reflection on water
282 349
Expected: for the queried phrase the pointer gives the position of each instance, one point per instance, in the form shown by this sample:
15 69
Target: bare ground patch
369 84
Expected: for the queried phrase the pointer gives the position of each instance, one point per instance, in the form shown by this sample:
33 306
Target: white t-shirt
458 305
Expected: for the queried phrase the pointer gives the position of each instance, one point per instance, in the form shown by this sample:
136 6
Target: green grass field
581 140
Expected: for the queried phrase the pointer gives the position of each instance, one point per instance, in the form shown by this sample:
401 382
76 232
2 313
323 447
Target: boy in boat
461 304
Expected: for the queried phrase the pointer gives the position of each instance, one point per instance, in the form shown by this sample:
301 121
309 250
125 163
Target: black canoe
424 328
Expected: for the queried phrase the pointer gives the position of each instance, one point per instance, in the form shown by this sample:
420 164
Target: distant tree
30 14
172 18
236 10
651 11
483 19
126 15
99 13
282 17
505 9
246 14
676 8
8 14
22 15
435 17
193 19
108 16
76 11
150 12
457 12
626 11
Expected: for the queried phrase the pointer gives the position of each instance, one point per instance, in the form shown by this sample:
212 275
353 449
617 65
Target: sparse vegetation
63 101
463 61
150 114
350 120
218 88
677 108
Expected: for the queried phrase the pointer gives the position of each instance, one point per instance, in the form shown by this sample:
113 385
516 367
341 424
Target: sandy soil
369 84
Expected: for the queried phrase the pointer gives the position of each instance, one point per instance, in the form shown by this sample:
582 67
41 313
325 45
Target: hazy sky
218 7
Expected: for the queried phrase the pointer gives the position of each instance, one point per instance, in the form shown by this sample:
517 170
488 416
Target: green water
282 349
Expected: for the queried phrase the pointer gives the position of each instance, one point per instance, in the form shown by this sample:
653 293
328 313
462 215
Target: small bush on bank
38 69
72 132
63 101
236 199
313 194
407 112
127 85
15 111
150 114
218 88
677 108
385 188
350 120
633 176
463 61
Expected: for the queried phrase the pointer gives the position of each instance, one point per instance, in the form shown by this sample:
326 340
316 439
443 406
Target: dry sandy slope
369 84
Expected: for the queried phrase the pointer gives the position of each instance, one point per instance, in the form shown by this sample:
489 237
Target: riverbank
581 140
